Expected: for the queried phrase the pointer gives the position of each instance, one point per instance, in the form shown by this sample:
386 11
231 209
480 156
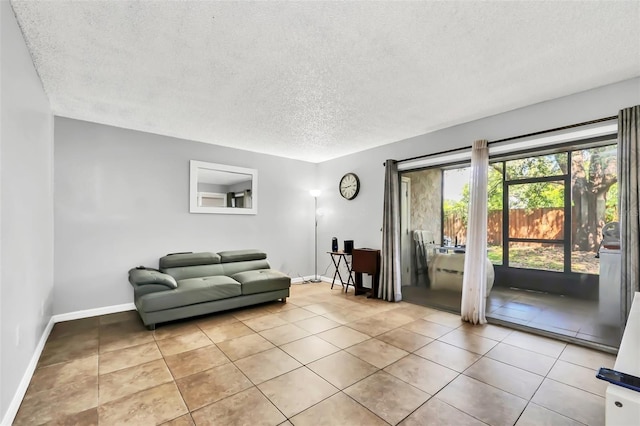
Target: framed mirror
222 189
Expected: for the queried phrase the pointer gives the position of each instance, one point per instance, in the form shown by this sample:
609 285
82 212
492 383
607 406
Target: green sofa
190 284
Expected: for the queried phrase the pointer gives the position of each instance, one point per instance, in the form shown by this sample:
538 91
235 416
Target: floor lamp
315 193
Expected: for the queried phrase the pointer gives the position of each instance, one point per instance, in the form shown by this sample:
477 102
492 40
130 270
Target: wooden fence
543 223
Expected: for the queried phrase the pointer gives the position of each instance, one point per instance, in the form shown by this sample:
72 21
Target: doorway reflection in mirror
222 189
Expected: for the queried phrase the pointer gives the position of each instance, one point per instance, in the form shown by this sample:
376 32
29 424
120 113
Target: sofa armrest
143 277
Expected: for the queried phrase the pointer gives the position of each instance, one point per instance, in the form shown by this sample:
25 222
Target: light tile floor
551 313
558 314
323 358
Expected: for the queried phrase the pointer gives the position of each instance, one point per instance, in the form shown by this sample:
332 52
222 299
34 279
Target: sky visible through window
454 182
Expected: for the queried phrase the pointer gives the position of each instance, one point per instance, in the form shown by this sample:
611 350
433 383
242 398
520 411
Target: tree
593 174
536 195
611 206
593 189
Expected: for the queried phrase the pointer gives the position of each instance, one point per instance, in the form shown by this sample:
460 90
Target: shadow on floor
559 315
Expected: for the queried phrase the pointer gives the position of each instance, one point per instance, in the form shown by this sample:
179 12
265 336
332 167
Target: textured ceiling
318 80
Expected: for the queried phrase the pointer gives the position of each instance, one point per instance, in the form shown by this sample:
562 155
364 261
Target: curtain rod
570 126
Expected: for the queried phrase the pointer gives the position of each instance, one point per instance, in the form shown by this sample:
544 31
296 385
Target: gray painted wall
212 187
239 187
26 208
361 218
117 206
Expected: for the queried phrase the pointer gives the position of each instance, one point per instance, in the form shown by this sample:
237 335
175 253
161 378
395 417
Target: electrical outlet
18 335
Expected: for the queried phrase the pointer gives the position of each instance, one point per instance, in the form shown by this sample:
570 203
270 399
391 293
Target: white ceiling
318 80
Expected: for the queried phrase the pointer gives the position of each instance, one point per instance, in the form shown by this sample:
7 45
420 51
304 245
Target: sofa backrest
241 255
194 265
249 265
176 260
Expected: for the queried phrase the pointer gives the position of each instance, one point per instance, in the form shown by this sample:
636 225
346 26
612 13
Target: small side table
340 256
366 261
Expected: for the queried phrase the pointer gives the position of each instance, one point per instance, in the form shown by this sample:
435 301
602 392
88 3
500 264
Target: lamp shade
315 192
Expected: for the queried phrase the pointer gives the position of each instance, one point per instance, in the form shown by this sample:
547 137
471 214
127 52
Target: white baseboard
304 279
69 316
12 410
301 280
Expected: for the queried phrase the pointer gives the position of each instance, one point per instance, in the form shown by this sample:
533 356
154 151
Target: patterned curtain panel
474 279
629 193
390 274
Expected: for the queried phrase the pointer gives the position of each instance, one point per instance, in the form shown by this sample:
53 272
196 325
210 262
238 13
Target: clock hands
349 186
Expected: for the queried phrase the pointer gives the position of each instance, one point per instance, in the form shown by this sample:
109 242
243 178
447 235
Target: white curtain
474 282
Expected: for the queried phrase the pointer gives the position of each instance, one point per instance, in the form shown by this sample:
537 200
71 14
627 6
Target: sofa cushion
241 255
151 276
262 280
250 265
186 272
188 259
191 291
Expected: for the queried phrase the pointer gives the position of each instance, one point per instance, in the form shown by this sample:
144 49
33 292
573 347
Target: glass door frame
566 237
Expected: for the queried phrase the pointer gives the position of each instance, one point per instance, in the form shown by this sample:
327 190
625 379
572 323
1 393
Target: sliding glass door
536 224
547 211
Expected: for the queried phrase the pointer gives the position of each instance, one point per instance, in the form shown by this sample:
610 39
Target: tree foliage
536 195
593 187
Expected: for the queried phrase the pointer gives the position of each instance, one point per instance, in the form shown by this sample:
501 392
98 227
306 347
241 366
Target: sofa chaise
190 284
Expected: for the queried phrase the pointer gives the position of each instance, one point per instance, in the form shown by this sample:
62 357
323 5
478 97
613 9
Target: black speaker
334 244
348 246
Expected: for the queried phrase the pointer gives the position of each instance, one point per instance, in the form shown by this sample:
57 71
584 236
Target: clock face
349 186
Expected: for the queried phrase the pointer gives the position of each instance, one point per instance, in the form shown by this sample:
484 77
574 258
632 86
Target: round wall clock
349 186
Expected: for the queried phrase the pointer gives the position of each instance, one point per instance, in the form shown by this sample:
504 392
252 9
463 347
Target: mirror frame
194 165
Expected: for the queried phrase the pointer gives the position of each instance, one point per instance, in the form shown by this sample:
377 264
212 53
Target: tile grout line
540 385
357 402
382 369
495 387
254 385
302 365
557 358
175 383
458 374
549 378
98 379
306 366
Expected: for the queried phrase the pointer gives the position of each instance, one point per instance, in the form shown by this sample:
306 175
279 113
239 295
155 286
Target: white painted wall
122 201
361 218
26 209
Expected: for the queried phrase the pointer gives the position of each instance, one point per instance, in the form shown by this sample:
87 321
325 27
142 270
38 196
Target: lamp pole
315 193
